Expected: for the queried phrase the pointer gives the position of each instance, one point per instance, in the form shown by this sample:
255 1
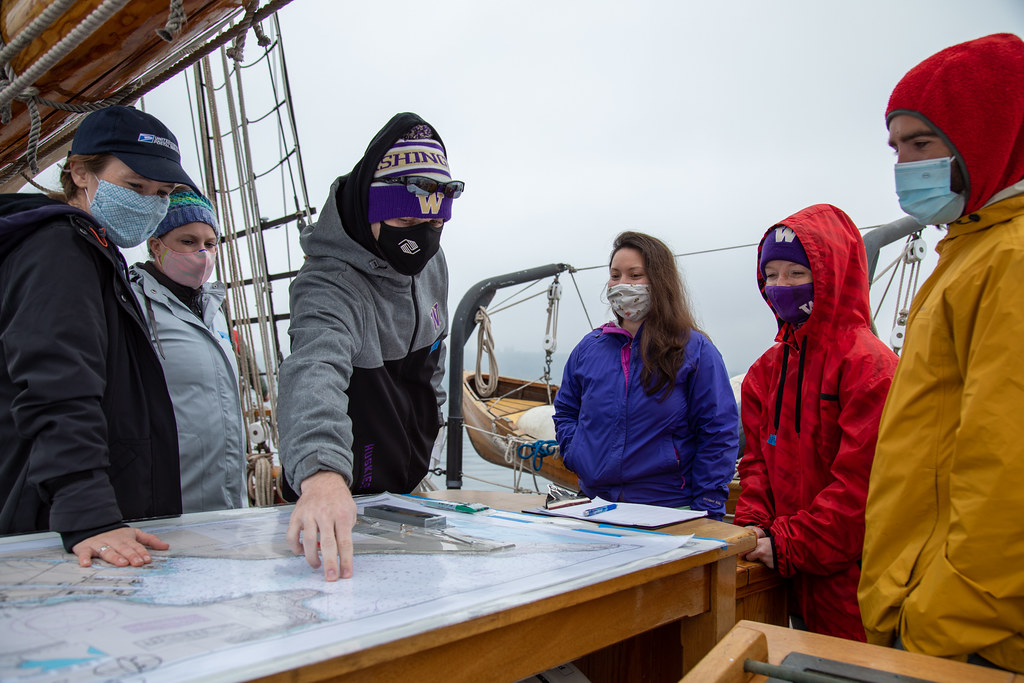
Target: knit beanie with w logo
782 244
416 154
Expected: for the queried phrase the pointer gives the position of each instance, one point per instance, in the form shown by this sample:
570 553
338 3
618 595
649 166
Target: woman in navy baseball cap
85 418
123 166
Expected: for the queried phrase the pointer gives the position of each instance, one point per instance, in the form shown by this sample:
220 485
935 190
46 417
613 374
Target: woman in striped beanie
192 338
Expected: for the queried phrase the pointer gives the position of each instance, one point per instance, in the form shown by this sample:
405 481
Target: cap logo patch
157 140
408 246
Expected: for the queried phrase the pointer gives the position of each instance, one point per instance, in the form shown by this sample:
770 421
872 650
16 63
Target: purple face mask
793 304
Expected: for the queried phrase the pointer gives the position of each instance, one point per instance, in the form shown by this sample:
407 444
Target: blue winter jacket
628 446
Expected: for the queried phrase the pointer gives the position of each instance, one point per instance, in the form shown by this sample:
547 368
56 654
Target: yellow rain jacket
943 562
944 550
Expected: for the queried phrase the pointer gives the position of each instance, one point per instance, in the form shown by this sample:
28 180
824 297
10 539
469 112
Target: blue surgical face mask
924 191
128 217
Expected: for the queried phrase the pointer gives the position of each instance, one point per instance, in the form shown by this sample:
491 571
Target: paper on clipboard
624 514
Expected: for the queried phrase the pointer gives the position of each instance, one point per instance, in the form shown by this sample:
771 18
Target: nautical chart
230 601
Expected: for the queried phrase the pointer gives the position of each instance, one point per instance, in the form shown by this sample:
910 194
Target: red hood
839 269
974 94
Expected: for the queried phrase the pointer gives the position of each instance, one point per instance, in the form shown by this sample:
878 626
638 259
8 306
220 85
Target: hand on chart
120 547
325 509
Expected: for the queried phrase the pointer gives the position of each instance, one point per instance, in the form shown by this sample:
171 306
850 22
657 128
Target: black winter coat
87 432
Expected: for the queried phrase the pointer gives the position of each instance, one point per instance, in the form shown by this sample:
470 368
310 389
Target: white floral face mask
630 302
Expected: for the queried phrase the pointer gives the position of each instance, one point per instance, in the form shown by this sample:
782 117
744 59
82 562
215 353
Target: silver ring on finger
102 548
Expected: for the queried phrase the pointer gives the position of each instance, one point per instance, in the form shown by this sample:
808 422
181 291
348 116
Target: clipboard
635 515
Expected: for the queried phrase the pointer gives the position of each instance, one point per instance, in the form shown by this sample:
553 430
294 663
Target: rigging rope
572 274
485 344
133 91
259 469
259 477
911 255
13 87
518 465
34 29
535 452
175 21
914 253
237 48
245 263
551 332
259 460
93 21
485 336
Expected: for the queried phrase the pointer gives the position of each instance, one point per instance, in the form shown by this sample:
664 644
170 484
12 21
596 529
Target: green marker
453 506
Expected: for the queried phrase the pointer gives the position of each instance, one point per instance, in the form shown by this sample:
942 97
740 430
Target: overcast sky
700 123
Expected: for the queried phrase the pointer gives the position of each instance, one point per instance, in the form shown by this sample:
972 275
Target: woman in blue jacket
645 412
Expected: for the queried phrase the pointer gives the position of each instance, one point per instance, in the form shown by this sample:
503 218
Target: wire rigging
227 130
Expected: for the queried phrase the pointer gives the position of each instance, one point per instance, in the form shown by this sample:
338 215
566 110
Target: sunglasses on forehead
423 185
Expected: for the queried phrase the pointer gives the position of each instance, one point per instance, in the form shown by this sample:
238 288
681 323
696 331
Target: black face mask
407 250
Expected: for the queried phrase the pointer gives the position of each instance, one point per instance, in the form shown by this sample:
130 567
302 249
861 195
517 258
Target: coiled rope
518 465
259 478
536 451
485 344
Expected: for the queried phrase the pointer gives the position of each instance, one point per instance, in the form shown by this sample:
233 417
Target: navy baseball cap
140 140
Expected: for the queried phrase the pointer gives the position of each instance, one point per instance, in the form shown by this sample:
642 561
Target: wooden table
689 603
764 642
761 594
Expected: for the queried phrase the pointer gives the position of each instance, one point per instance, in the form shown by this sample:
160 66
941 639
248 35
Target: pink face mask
191 269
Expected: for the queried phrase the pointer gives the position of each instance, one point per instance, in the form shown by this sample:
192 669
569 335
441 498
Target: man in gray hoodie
359 406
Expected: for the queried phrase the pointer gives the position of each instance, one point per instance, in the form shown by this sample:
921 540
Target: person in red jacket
810 410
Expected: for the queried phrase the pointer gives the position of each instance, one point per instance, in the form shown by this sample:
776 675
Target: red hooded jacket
810 409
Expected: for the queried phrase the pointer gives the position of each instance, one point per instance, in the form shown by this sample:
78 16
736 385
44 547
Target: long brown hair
668 324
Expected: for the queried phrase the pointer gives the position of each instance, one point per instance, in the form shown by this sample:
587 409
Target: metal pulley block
257 433
899 331
551 329
916 251
555 291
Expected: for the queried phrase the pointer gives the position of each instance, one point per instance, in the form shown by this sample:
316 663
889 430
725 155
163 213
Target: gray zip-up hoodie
202 379
361 392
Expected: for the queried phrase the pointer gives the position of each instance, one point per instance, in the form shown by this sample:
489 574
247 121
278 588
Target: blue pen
596 511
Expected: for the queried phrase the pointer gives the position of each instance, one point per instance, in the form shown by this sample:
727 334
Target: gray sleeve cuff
315 462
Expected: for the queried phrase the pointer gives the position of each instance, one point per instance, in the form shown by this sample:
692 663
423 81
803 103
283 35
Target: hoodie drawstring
782 386
778 394
800 382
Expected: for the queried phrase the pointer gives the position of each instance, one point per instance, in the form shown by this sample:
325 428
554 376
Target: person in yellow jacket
943 563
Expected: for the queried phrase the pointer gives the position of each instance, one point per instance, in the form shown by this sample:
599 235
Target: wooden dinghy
124 49
493 425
